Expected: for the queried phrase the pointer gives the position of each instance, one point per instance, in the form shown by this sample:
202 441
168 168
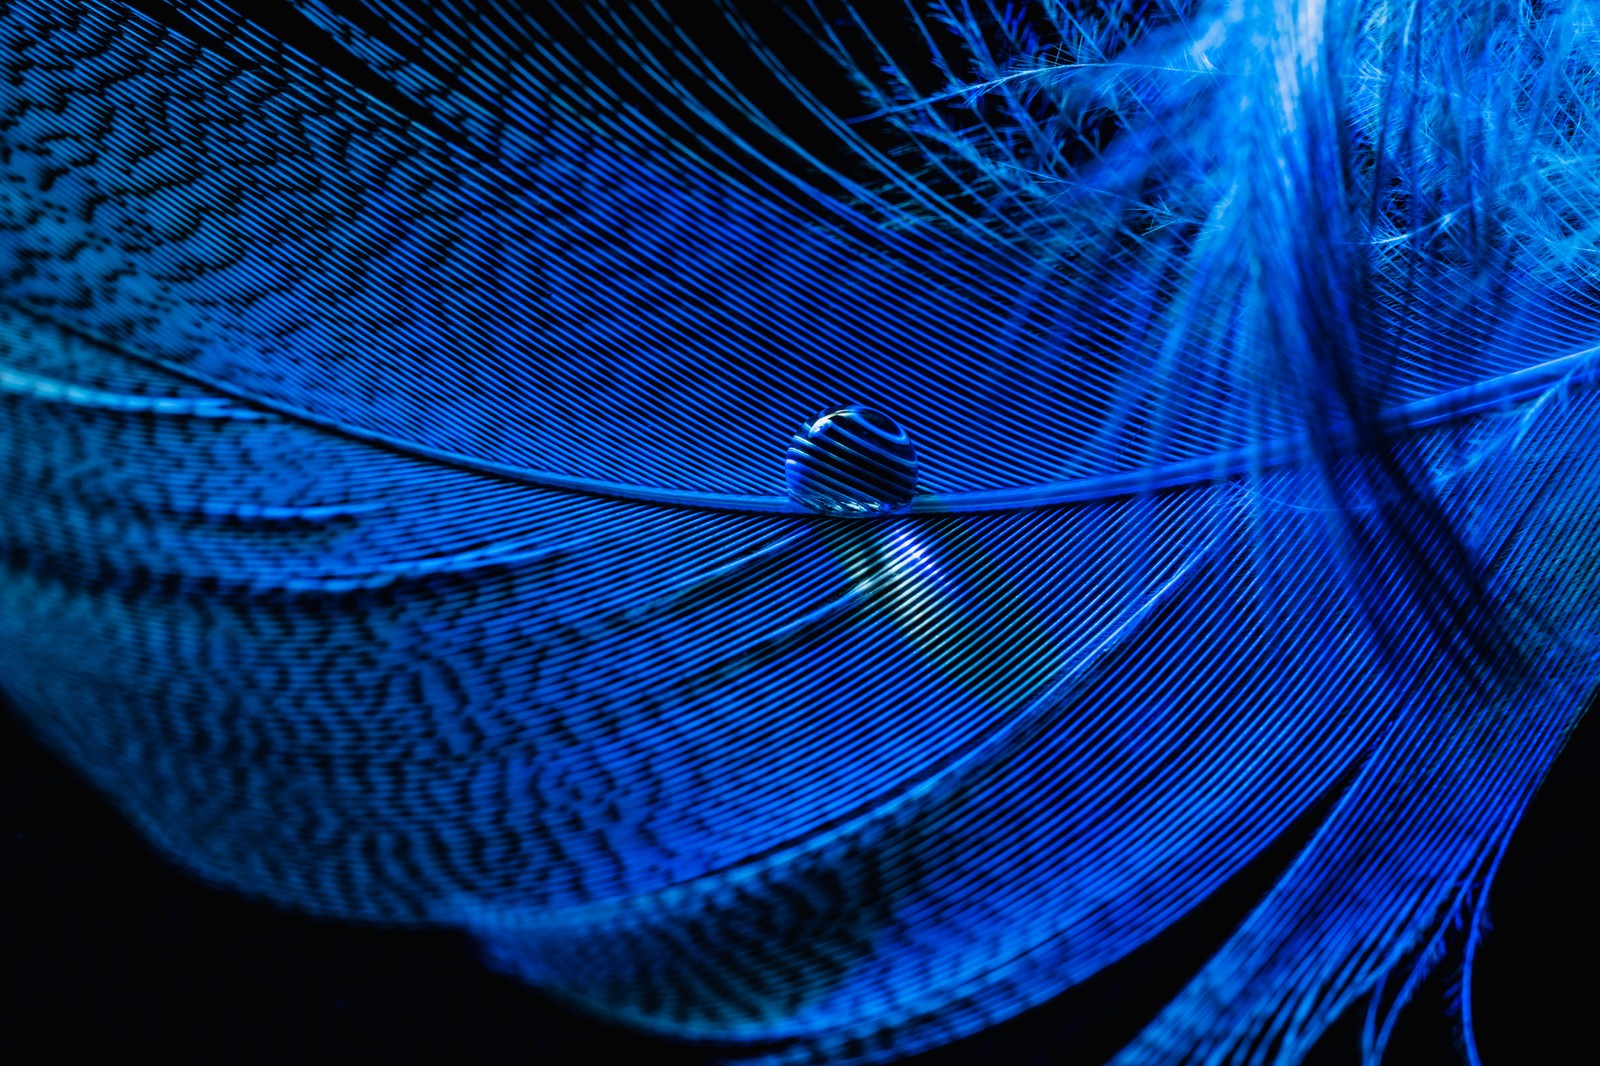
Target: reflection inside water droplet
851 462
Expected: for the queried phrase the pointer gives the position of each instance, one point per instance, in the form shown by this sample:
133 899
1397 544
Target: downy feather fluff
395 398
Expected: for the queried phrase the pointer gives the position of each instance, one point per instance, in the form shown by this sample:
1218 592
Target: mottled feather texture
394 521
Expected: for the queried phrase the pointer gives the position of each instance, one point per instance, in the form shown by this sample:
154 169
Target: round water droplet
852 462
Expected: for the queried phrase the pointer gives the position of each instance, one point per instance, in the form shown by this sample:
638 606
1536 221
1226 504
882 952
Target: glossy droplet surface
851 462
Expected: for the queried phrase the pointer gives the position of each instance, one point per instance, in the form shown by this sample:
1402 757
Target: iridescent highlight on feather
393 410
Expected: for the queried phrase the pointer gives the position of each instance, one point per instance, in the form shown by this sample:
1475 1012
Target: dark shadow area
1535 983
108 947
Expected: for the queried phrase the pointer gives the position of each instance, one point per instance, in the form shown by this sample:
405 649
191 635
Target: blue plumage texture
393 435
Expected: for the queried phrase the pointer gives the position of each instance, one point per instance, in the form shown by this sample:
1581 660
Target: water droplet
852 462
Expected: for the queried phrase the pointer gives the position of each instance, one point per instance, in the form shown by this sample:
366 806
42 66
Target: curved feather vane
395 405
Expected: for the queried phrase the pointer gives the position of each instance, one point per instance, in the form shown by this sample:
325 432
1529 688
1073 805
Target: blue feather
396 399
